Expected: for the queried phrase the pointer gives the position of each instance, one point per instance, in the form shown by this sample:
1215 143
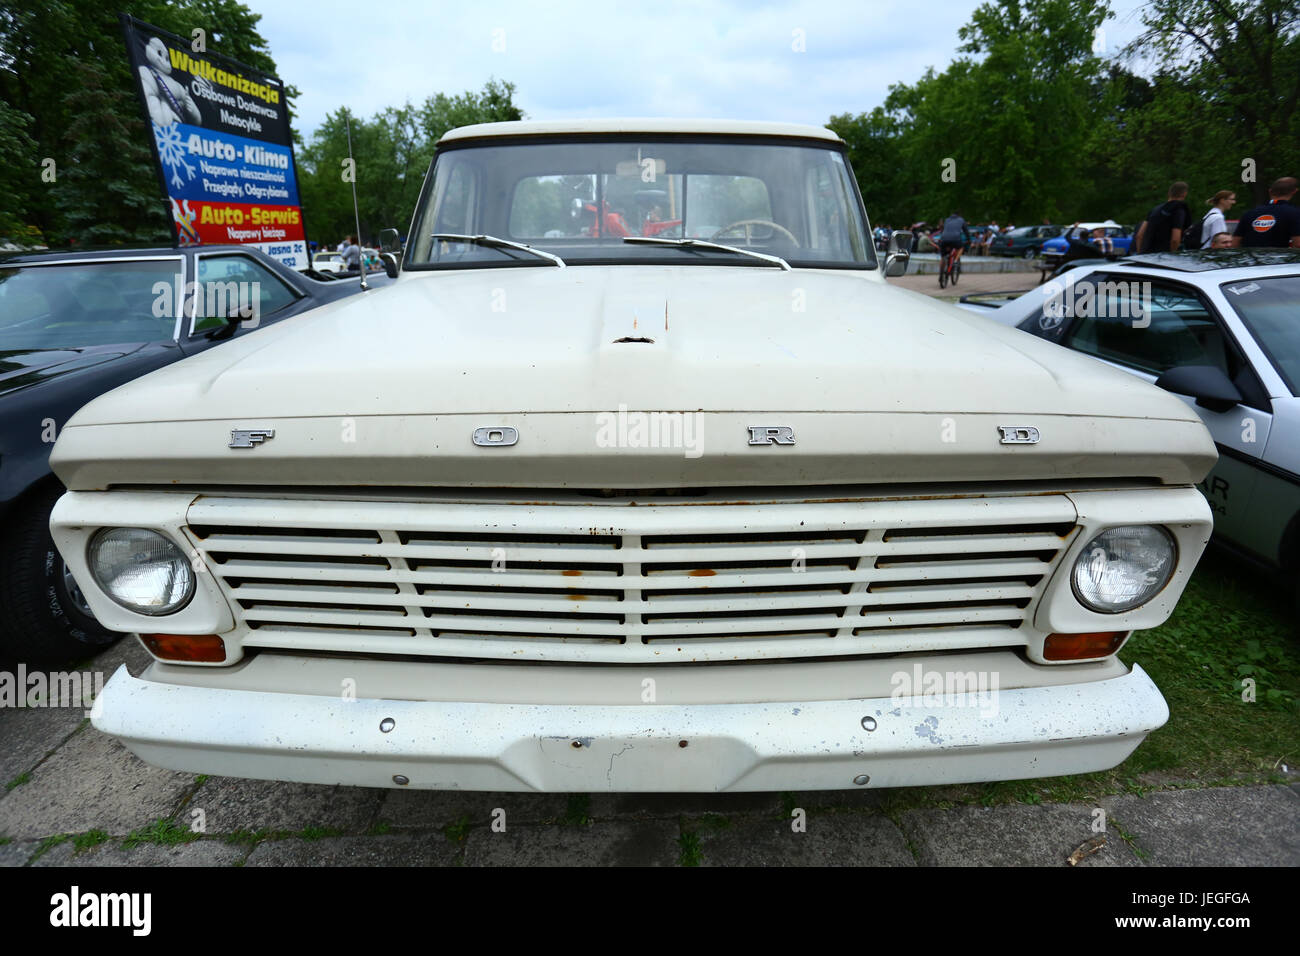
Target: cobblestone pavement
75 797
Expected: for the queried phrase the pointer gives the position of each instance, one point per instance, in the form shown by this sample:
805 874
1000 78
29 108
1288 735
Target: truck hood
387 388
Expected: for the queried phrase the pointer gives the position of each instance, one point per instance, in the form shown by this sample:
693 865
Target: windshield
579 199
105 303
1267 308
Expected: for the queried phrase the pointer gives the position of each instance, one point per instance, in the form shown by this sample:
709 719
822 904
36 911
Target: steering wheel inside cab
751 231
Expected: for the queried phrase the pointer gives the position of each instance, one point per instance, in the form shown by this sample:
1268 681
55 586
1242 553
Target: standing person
351 254
1276 224
1215 221
1102 241
1162 230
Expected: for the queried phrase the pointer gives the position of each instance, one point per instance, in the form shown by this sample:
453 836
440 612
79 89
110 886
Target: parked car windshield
578 199
1267 308
101 303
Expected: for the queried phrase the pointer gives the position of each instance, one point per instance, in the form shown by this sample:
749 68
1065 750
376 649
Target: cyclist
955 235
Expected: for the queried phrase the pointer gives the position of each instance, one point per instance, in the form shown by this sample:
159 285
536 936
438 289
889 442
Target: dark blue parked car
74 325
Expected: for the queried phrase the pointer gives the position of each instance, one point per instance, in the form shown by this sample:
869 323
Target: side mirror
390 264
898 253
232 321
389 241
1207 384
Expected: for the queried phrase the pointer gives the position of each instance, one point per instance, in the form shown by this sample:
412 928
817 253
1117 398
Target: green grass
5 841
91 838
1128 838
18 781
457 832
319 833
162 832
254 837
1228 625
689 844
577 812
48 844
379 828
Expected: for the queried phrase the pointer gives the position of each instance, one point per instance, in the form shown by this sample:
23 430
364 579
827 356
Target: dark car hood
20 368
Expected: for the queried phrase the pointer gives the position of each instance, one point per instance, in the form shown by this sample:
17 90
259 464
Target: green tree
18 161
48 49
493 104
100 195
392 151
1004 130
1226 90
875 154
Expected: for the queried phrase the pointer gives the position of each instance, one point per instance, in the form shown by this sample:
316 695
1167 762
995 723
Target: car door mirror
233 320
389 241
899 253
390 264
1208 384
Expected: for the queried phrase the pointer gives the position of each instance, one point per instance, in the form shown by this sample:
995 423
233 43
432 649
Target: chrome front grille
633 583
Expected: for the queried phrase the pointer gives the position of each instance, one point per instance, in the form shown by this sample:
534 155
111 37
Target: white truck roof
725 127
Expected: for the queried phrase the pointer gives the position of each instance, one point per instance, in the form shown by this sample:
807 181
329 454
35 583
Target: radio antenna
356 211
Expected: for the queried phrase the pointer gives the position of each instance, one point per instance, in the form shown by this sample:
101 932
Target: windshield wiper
492 242
704 244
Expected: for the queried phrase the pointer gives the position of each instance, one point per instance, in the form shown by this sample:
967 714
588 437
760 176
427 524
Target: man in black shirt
1163 229
1276 224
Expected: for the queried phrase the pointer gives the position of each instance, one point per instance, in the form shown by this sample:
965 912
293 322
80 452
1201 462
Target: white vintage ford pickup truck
639 477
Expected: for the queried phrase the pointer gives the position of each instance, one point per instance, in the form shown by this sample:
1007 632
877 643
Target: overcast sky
717 59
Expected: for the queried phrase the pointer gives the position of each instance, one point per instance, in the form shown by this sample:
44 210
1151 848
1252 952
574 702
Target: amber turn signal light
199 648
1079 647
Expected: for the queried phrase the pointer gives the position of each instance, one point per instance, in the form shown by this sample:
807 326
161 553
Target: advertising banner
221 136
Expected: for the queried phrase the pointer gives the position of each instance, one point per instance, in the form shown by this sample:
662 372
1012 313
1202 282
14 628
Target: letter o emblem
496 436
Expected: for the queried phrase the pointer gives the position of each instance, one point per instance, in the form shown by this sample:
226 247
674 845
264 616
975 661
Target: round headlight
1123 568
141 570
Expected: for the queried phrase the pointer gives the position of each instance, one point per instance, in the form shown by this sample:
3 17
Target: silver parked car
1222 330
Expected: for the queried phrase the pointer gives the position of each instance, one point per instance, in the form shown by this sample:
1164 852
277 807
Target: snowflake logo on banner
171 150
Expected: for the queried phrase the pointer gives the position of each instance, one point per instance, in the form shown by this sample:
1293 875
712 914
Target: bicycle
949 268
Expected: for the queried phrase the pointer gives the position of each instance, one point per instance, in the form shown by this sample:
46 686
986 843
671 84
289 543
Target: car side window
1151 326
230 284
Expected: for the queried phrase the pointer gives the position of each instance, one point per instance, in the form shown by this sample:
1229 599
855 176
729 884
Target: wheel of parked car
1030 252
46 618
